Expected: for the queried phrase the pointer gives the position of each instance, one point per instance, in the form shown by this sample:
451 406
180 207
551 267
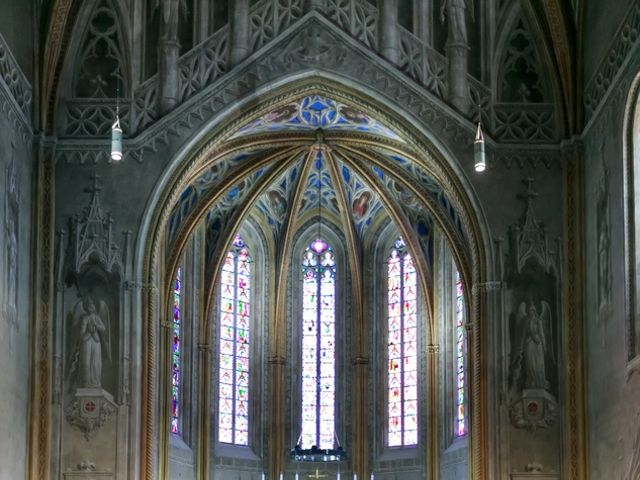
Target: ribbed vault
316 154
317 158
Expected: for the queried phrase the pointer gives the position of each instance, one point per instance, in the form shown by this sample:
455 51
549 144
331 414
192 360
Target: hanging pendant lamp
479 154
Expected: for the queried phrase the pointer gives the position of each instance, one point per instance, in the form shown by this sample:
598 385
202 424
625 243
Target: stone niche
91 393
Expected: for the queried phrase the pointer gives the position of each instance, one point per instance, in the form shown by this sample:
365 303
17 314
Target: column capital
360 360
277 360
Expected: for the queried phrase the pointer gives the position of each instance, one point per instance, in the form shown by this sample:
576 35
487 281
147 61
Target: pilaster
575 431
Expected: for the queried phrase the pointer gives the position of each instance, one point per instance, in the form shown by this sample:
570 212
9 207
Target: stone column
203 447
168 53
388 31
433 436
203 12
240 34
422 22
277 369
360 448
455 13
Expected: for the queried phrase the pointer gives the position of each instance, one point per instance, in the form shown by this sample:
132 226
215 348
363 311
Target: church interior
318 239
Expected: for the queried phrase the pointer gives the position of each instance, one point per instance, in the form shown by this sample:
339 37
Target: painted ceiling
325 178
314 112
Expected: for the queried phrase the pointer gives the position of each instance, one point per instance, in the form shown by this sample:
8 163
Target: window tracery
102 60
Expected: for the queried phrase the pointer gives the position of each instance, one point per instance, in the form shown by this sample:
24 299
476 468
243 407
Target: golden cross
317 475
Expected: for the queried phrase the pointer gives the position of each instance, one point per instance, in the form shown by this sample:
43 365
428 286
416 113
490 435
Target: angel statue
456 12
532 346
93 342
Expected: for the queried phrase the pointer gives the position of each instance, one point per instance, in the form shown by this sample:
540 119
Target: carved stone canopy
91 239
528 237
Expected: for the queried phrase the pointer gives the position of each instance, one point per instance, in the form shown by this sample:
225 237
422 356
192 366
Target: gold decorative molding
42 319
566 64
59 29
575 464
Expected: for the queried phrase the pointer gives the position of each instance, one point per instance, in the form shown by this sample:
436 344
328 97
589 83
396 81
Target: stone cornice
15 90
268 65
619 55
272 63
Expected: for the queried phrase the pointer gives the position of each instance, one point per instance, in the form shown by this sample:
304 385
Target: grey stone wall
17 28
612 392
15 280
613 384
602 21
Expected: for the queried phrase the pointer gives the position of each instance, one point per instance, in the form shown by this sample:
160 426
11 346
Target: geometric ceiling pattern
315 160
314 112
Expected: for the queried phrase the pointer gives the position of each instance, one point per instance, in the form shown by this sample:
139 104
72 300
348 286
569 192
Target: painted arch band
264 169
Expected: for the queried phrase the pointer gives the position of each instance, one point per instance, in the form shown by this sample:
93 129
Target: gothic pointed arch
97 67
631 173
101 67
260 165
525 84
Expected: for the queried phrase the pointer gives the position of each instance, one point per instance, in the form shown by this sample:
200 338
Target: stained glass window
235 319
402 347
176 353
318 346
460 349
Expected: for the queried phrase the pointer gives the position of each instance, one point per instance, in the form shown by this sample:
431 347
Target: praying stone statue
93 343
532 403
533 348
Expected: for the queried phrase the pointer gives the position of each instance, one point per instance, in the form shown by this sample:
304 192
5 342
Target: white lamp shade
479 154
116 141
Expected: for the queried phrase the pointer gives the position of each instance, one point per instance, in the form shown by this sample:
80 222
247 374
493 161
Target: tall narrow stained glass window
318 346
176 353
402 345
460 349
235 320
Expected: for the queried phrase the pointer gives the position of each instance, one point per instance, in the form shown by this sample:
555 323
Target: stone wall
17 28
602 23
15 258
613 384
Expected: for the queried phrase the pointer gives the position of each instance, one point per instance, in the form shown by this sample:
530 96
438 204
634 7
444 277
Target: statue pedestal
534 408
90 409
89 475
534 476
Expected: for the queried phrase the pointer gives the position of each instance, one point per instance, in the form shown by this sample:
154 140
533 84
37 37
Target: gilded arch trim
475 273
